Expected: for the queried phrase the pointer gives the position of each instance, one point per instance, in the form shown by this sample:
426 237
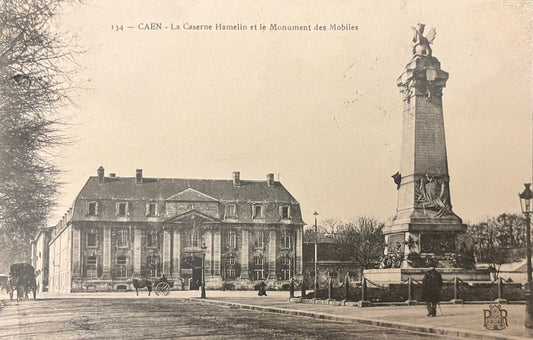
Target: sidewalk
460 321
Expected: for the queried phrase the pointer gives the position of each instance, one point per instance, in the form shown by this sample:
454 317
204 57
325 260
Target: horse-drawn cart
161 286
22 280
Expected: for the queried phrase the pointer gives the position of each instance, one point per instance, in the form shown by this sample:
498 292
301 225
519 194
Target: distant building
40 258
332 260
121 228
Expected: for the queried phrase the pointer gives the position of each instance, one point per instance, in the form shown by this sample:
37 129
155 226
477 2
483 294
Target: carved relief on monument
437 243
432 193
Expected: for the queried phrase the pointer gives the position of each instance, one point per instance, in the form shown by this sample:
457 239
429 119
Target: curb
444 331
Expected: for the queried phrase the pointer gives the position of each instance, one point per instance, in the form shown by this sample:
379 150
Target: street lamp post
316 256
526 203
204 248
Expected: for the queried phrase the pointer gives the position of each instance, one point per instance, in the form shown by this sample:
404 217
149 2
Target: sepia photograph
266 169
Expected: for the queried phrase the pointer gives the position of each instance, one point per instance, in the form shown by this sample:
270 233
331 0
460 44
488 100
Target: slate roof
165 188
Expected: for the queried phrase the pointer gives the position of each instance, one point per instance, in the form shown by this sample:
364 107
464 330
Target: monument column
424 220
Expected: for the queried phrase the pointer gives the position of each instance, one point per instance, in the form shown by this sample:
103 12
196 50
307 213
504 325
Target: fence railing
366 292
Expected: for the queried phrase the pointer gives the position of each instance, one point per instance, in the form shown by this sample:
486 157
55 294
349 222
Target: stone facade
123 228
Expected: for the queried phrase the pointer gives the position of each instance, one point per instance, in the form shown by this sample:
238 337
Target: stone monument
425 225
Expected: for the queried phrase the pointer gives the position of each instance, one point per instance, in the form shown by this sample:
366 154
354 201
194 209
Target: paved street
158 318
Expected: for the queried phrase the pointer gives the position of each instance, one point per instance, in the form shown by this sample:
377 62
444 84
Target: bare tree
360 239
36 62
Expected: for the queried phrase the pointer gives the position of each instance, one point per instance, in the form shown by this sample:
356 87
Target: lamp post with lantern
316 256
526 203
204 248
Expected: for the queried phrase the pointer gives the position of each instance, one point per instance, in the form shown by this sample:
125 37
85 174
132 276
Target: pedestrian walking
262 289
431 289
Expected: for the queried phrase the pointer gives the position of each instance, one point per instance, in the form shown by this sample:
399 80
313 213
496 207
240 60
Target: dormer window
284 212
231 211
257 211
92 208
122 209
151 209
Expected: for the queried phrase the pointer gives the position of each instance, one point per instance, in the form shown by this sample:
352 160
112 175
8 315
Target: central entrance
191 271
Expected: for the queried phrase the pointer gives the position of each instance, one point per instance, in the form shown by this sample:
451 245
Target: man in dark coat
431 286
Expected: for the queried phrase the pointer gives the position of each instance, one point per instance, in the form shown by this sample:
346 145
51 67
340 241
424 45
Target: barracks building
120 228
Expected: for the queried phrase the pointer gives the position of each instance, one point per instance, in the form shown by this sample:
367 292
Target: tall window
285 239
151 238
91 266
231 211
231 259
122 209
284 212
230 273
257 211
193 239
153 266
92 238
259 274
122 238
286 260
258 260
151 209
231 239
92 208
259 239
122 266
285 274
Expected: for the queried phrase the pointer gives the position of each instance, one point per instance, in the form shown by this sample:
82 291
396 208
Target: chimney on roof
236 178
139 176
270 180
100 173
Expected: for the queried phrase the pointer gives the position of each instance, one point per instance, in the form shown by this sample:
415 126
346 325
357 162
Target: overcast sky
321 110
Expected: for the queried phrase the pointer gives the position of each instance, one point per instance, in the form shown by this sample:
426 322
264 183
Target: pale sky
319 109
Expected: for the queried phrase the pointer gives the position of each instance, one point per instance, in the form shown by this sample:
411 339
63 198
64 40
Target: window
259 274
286 260
230 211
122 238
92 208
122 209
284 212
230 273
231 259
258 239
151 239
231 239
258 260
285 274
193 239
122 266
151 209
257 211
91 266
285 239
153 266
92 239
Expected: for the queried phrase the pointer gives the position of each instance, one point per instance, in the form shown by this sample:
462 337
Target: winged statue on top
422 41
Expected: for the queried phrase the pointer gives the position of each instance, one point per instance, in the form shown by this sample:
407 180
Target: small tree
361 239
491 239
